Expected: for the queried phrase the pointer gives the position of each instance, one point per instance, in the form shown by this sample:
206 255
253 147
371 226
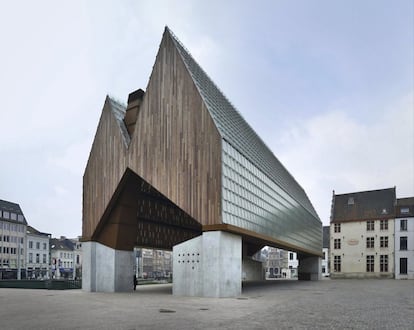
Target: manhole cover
163 310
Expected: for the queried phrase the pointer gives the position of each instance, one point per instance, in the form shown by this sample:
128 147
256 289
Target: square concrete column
105 269
310 268
208 266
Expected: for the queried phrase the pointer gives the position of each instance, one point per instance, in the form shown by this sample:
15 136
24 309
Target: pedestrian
135 282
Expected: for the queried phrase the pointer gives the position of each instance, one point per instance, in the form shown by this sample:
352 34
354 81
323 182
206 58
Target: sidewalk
328 304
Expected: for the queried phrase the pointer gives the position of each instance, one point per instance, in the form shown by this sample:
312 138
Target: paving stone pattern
327 304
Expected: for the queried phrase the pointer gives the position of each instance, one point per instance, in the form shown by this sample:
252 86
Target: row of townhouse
26 253
371 235
280 263
151 263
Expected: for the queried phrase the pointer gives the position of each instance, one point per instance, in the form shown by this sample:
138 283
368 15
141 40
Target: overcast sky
328 85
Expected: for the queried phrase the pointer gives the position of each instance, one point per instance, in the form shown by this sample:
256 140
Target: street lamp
19 275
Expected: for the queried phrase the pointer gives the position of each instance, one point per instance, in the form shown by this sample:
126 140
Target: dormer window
405 210
351 201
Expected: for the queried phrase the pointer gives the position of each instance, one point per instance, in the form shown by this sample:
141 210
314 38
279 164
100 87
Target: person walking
135 282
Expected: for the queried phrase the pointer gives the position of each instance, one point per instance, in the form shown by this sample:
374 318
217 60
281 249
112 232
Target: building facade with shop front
62 258
38 256
12 241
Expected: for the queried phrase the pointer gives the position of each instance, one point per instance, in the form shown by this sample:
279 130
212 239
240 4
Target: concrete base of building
209 265
106 269
309 268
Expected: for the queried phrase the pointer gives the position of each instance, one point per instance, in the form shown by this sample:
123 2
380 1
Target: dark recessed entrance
139 215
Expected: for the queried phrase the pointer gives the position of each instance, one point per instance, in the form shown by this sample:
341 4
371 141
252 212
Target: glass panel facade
252 201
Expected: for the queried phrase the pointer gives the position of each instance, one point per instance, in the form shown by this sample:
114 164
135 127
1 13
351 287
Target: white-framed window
384 263
403 243
384 241
337 263
370 242
337 227
337 243
370 264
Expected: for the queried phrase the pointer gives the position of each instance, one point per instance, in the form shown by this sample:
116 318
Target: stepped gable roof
326 237
12 207
405 207
364 205
237 132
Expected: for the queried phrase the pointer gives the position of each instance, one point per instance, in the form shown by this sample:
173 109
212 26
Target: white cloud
334 151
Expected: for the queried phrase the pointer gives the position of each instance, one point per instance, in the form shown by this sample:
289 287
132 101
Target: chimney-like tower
332 206
134 102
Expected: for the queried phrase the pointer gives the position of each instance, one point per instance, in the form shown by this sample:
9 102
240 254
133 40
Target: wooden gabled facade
174 148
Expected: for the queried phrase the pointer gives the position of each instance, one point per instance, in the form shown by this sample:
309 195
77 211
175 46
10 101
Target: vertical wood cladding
105 167
175 147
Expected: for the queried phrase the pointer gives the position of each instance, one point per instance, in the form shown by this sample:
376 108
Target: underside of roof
237 132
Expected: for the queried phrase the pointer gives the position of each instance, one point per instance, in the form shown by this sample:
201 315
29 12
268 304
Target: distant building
325 251
12 240
362 234
404 239
77 250
277 260
152 263
62 258
293 264
37 257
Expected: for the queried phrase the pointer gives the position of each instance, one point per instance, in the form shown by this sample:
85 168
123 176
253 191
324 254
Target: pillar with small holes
208 265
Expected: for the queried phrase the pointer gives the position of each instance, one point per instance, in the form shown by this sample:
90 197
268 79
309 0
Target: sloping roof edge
237 132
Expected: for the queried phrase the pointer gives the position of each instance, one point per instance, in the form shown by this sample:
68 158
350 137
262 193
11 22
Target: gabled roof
237 132
365 205
12 207
33 231
61 244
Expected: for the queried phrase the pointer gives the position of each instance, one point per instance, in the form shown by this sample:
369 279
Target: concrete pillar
309 268
252 270
208 266
105 269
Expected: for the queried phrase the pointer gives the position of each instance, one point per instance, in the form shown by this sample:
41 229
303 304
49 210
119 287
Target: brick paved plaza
327 304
